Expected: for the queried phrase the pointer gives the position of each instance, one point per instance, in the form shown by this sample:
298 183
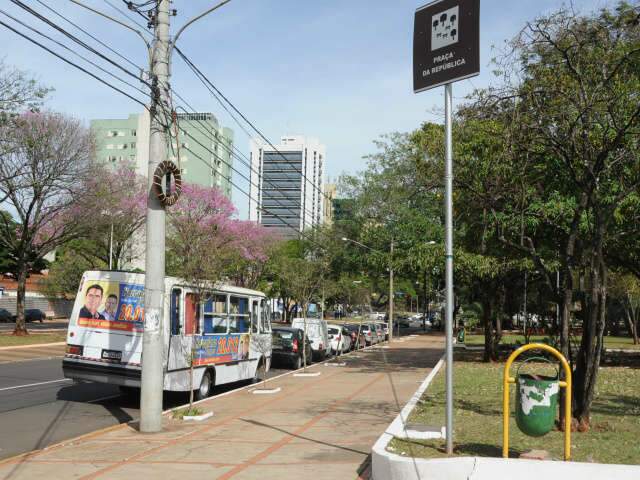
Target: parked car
34 315
286 347
339 338
317 334
379 332
385 329
370 334
6 316
354 329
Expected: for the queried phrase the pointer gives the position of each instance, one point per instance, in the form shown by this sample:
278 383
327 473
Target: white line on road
35 384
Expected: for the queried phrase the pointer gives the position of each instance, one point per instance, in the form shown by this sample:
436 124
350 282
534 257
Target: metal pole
111 247
448 95
152 352
391 294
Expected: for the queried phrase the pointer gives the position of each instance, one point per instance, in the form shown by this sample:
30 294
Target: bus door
185 323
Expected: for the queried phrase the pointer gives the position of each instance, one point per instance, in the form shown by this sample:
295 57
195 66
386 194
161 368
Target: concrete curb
390 466
35 345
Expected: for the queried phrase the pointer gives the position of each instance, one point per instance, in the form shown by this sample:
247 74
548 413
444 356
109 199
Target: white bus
227 335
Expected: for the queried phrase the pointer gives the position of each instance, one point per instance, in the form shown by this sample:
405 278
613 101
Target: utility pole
152 352
391 293
448 255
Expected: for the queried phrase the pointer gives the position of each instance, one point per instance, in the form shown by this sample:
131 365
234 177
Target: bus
210 337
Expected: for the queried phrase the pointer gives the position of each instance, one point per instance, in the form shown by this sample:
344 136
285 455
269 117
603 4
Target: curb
35 345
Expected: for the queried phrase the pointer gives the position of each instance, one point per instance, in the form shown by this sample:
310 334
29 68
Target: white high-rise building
287 184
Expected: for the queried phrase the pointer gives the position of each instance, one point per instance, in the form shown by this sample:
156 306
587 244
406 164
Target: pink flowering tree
114 202
44 162
207 244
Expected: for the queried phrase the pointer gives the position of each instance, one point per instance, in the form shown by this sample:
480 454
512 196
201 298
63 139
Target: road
39 407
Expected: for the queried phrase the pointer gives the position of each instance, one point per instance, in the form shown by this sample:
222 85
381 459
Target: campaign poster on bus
221 349
112 306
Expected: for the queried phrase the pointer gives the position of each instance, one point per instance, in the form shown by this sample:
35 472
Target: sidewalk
315 427
32 352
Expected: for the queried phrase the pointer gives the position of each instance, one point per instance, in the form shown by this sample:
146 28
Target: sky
337 70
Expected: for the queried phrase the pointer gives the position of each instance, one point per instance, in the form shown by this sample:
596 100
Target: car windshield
334 331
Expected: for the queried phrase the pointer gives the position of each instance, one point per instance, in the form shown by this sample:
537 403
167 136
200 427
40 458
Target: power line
124 14
203 78
76 39
73 52
244 161
72 64
90 35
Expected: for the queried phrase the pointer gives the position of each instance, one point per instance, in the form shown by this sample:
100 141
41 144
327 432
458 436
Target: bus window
239 321
255 316
176 296
265 323
215 315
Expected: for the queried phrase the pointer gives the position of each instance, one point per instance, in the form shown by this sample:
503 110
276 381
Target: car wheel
205 387
297 363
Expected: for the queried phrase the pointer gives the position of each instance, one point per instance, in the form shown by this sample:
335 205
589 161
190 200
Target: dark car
34 315
5 315
353 329
287 347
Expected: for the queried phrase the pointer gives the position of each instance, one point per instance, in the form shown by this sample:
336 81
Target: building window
120 133
133 133
111 158
133 145
110 147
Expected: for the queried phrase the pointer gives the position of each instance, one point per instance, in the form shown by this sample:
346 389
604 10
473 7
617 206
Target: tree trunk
588 358
630 320
489 350
21 327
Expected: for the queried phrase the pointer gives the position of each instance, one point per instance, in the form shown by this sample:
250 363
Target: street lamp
391 294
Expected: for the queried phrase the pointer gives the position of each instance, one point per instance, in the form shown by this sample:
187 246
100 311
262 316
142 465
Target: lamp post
391 293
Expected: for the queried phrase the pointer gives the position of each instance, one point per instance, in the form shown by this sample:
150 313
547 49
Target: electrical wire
55 12
203 78
76 40
124 14
72 64
73 52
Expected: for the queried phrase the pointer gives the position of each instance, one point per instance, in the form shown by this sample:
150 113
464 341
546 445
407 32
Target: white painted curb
197 418
315 374
389 466
265 391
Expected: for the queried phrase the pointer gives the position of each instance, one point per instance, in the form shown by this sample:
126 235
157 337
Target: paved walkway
31 352
315 427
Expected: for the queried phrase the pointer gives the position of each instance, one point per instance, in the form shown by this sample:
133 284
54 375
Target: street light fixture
391 293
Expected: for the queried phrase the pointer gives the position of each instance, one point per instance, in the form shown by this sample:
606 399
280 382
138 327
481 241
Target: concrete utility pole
152 351
391 295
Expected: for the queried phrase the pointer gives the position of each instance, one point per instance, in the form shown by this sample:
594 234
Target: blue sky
339 70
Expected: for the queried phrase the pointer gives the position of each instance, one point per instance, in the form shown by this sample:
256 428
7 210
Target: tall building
287 184
205 147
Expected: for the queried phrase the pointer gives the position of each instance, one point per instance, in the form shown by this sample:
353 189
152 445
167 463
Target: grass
512 339
8 340
186 412
615 421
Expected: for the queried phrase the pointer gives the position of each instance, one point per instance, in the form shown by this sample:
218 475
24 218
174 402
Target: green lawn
8 340
609 342
613 437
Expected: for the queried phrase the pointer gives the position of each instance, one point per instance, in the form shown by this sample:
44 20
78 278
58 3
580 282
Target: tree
41 177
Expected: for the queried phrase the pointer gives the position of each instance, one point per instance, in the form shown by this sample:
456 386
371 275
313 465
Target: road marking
35 384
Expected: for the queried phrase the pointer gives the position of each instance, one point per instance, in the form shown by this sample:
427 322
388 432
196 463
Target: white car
370 334
339 338
317 334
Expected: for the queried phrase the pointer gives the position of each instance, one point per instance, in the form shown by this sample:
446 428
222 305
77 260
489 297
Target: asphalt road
39 407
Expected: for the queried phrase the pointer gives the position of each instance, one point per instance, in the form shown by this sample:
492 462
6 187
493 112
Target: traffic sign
446 43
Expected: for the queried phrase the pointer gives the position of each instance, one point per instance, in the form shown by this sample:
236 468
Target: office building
204 147
287 187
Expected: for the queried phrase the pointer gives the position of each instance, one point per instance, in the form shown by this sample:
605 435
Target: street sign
446 43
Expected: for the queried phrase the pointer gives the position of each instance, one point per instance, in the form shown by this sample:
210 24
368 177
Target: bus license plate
111 355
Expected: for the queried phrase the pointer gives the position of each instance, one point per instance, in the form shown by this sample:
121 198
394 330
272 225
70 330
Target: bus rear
104 341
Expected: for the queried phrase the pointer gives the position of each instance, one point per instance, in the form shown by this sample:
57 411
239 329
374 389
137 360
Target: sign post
446 48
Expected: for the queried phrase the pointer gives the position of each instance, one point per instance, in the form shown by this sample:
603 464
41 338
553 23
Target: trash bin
536 401
461 335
